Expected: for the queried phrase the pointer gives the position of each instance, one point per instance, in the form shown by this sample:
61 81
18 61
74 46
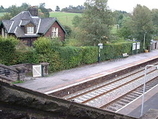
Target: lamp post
100 46
144 85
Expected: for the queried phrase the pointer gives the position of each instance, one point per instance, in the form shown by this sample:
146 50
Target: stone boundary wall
15 72
16 96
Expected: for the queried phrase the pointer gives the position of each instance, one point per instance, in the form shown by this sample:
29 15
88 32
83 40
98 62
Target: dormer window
54 32
30 30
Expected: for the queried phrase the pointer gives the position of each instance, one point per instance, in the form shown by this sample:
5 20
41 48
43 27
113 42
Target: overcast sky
126 5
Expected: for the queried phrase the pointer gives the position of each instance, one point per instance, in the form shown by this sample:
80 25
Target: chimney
33 11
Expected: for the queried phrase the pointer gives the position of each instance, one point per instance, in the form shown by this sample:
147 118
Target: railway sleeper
131 96
127 98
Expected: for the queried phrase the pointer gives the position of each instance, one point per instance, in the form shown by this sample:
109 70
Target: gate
37 70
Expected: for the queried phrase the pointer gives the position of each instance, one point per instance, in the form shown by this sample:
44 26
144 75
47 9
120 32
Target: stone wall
15 72
27 103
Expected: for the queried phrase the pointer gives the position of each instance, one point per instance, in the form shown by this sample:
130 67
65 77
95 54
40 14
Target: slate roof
14 25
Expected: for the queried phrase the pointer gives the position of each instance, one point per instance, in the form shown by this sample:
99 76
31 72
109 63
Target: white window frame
30 30
54 32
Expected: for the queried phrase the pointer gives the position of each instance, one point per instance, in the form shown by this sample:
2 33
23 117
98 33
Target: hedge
7 50
114 51
58 57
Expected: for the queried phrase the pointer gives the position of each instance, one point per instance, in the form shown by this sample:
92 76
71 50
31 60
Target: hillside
64 18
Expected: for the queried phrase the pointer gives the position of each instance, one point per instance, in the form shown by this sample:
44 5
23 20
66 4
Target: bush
43 45
70 56
7 50
90 54
28 56
115 50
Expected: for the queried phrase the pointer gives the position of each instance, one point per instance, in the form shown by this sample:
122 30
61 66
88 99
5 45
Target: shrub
7 50
90 54
70 56
115 50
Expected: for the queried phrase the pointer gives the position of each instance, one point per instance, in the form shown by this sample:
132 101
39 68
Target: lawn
64 18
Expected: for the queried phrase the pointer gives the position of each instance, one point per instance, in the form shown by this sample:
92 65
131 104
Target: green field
64 18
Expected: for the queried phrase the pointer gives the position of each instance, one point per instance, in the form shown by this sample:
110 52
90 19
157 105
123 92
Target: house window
54 32
30 30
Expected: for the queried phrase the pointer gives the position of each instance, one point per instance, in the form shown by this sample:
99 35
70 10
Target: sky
124 5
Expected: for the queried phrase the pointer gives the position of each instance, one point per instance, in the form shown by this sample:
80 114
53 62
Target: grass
16 82
1 14
64 18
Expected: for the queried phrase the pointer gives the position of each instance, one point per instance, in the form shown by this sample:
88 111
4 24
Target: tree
57 9
125 31
44 10
72 9
14 10
2 9
96 22
24 6
6 16
142 25
155 21
76 21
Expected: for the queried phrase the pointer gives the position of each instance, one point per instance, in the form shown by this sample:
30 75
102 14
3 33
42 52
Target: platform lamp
144 85
100 46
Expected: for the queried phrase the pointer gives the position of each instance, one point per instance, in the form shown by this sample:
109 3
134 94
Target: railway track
120 103
107 95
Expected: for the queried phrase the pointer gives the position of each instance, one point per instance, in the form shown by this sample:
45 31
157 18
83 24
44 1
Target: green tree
6 16
155 21
25 6
96 22
44 10
76 21
2 9
142 25
57 9
125 31
14 10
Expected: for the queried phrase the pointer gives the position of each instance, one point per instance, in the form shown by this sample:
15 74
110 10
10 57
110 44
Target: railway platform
81 74
66 78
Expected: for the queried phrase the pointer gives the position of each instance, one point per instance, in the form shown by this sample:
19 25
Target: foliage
119 16
96 22
44 44
5 16
142 24
72 42
126 30
2 9
115 50
72 9
7 50
57 9
68 31
76 21
26 55
155 21
90 54
70 56
44 10
44 47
